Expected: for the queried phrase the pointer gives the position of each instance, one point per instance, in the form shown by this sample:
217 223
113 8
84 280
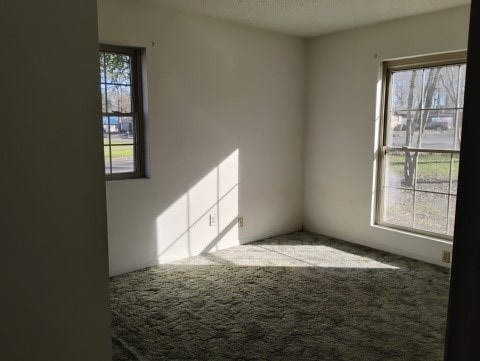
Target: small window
419 157
122 112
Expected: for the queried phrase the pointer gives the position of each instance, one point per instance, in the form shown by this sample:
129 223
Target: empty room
239 180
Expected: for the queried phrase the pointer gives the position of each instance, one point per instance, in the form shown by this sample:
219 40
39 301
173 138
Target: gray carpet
299 296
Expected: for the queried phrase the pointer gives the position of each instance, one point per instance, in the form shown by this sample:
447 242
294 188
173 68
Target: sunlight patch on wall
204 218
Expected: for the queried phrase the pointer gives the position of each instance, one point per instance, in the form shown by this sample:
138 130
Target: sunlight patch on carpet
284 256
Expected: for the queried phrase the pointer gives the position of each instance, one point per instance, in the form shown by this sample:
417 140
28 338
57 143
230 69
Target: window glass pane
119 99
461 95
451 215
458 129
106 135
116 137
106 156
104 98
448 87
433 172
127 128
394 163
102 67
440 86
431 212
117 68
437 129
111 124
404 129
400 169
122 159
454 180
398 206
126 131
406 90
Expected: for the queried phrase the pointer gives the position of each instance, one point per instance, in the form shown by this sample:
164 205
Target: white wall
54 301
343 70
225 132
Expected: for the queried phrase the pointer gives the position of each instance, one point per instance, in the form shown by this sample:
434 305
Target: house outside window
122 112
420 144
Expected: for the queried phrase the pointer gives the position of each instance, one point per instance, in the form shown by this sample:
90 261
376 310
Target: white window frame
136 114
388 68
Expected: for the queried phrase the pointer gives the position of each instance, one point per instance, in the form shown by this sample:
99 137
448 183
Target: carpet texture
300 296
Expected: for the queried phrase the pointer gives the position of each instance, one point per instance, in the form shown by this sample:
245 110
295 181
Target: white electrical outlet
240 221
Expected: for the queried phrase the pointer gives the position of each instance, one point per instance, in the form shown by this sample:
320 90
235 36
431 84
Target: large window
122 113
419 155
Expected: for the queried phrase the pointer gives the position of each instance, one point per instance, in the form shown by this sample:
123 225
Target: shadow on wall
204 218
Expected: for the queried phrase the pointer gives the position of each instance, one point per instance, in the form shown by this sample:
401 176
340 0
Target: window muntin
419 155
122 113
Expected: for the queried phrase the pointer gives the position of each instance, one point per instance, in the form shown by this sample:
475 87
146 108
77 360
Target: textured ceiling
310 17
